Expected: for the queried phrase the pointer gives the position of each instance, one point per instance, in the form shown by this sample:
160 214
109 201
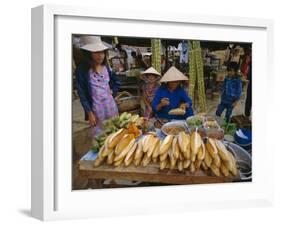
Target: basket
127 102
242 121
133 72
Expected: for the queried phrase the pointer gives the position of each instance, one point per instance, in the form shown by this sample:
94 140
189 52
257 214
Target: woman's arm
159 104
145 101
82 90
92 118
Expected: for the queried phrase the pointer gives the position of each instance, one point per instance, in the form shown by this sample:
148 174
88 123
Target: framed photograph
136 113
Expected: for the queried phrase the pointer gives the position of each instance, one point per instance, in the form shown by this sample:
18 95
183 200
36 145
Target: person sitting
170 95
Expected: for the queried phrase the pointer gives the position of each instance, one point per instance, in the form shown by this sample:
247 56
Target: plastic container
242 142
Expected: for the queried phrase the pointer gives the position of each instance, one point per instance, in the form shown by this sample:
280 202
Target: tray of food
174 128
195 122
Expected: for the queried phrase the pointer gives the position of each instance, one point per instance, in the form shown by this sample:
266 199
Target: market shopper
123 56
246 62
151 79
246 70
170 95
96 83
231 91
248 103
235 55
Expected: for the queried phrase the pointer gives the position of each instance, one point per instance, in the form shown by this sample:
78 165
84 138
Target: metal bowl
194 127
175 124
243 160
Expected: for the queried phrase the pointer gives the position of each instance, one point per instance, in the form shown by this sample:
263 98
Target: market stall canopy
144 42
137 41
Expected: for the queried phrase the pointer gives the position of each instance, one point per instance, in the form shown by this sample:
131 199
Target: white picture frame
52 197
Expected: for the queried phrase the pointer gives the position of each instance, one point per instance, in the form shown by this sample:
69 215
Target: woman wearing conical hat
151 79
171 98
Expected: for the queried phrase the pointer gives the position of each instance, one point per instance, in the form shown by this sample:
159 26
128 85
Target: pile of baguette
183 152
122 147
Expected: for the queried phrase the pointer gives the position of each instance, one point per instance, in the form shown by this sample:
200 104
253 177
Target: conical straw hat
150 70
172 75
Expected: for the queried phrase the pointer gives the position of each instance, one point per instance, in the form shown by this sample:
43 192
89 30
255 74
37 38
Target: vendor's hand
165 102
92 119
184 106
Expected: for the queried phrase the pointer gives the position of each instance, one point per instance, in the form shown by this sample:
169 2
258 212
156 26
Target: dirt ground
82 140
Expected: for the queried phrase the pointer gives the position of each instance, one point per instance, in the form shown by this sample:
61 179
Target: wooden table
150 173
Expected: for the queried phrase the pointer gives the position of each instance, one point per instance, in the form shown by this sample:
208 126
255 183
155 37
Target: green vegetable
229 128
125 123
116 121
112 125
109 130
95 146
124 116
194 122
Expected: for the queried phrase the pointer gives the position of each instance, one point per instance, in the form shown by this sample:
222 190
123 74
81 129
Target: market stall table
150 173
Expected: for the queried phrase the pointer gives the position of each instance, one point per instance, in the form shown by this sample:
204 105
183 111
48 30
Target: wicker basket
242 121
127 102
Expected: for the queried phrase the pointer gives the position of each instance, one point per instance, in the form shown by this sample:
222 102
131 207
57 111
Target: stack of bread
183 152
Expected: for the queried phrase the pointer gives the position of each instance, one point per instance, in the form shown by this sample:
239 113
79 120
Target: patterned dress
149 90
104 106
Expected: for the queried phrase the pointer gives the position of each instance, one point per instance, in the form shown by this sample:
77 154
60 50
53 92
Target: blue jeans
222 107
